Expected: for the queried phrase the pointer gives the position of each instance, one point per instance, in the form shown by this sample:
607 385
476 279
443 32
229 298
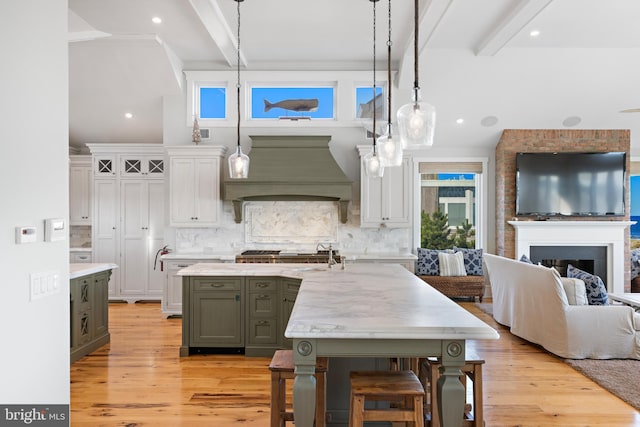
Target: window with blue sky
634 198
365 103
212 102
277 102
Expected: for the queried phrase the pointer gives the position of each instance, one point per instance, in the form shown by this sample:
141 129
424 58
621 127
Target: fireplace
608 238
592 259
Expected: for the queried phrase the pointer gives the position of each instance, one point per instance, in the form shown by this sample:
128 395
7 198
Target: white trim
482 193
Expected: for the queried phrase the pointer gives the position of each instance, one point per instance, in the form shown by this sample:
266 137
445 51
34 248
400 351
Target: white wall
34 140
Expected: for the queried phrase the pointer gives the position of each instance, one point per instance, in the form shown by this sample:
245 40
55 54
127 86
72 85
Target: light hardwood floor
139 380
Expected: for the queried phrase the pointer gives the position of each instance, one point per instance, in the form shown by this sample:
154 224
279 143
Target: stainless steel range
276 256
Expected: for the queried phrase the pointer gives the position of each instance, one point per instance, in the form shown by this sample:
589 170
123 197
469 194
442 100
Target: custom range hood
290 168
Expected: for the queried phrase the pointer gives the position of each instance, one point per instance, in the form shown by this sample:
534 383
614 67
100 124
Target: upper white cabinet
80 186
386 201
139 166
194 186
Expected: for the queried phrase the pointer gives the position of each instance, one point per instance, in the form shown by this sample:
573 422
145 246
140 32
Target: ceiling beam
79 30
511 24
218 28
431 14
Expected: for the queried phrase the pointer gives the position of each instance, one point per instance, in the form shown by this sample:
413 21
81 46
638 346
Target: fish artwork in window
298 105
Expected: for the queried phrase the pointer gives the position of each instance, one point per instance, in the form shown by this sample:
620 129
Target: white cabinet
129 213
105 229
141 237
80 183
386 201
80 257
132 166
194 186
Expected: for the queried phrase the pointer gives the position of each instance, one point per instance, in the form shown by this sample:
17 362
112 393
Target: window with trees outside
449 194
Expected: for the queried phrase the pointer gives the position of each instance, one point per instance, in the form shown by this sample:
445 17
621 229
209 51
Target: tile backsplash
291 225
80 236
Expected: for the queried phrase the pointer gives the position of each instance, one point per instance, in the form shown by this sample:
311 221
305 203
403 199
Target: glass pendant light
390 149
416 120
372 165
238 161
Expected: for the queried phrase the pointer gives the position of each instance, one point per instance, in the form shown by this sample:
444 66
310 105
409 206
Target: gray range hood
290 168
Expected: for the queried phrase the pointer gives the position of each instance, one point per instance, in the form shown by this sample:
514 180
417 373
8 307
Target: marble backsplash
80 236
293 226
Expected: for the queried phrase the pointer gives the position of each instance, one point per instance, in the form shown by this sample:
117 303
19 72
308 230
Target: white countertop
200 256
383 301
379 255
78 249
83 269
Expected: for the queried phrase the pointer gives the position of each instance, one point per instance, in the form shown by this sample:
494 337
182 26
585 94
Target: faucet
331 262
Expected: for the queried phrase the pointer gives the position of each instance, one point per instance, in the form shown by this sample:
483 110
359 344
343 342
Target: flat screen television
571 184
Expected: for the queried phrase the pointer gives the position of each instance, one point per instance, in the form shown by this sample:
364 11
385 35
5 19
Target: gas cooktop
280 256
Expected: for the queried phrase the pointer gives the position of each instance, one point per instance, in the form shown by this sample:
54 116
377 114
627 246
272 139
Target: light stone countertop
200 256
378 255
80 249
84 269
382 301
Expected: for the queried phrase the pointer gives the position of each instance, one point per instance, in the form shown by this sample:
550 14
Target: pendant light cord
238 76
375 88
416 85
389 43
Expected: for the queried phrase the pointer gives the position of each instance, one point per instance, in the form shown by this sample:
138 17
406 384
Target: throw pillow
526 259
576 291
596 291
472 260
451 264
427 264
635 263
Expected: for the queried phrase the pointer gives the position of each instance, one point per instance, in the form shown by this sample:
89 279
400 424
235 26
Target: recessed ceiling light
460 121
571 121
534 33
156 20
128 115
489 121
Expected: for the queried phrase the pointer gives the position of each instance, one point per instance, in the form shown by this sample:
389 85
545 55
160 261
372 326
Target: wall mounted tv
571 184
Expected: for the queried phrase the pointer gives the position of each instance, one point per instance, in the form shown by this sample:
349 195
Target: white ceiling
477 60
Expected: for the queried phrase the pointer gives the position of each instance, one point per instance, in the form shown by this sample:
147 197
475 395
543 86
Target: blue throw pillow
596 291
472 260
635 263
526 259
428 264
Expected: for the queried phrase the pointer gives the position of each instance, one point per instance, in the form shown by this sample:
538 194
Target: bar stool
429 376
402 387
282 369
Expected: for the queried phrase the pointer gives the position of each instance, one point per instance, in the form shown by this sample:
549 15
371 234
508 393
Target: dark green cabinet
89 313
217 305
237 312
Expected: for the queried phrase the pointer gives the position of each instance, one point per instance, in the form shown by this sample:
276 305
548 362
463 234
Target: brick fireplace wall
547 140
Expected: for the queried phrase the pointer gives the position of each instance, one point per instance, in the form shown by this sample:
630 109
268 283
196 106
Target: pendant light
389 149
416 120
372 165
238 161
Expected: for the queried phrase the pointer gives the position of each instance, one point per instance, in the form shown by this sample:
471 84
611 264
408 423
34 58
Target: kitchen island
89 307
379 310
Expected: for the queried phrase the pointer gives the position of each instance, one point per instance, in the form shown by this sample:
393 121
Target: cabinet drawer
217 284
263 331
263 304
291 285
261 284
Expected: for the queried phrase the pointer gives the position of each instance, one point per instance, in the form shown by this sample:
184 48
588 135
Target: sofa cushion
472 260
451 264
427 264
576 291
596 291
635 263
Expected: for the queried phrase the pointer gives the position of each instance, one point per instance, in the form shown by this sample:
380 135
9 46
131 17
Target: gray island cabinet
224 313
89 308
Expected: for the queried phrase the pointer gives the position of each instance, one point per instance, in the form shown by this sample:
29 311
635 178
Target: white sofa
532 302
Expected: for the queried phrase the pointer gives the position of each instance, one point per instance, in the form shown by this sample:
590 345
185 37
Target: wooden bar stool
429 376
282 369
393 386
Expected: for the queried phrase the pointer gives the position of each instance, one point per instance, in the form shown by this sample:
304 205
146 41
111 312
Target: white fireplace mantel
610 234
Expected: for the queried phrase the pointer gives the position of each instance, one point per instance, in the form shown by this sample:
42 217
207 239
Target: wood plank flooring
139 380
